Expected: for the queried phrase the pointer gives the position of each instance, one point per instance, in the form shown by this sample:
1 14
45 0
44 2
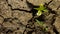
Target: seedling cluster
40 10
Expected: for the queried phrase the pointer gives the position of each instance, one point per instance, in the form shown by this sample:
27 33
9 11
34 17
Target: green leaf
39 13
37 8
45 10
39 22
42 7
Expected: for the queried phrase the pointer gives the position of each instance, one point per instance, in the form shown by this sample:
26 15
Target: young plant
40 23
41 9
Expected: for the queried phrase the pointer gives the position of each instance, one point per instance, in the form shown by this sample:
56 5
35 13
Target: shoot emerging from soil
41 9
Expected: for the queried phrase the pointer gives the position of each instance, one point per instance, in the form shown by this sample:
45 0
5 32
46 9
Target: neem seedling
41 9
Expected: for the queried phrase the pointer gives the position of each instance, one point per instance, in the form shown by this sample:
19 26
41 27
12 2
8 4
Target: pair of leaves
41 9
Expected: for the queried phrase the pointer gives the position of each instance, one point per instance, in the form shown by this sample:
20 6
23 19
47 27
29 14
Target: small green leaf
39 13
41 5
39 22
37 8
42 8
45 10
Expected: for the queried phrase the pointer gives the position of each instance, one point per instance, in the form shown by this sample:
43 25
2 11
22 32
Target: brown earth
18 17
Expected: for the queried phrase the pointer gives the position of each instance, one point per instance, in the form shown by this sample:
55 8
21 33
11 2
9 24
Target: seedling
41 9
40 23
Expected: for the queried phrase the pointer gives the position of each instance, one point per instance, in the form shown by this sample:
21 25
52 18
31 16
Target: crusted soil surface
18 17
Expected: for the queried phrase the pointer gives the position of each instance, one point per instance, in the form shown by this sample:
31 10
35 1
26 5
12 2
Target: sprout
41 9
39 22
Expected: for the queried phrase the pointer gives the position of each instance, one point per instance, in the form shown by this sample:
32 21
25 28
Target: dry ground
17 17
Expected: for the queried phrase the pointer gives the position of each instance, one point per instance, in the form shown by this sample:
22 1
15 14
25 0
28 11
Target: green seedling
39 22
41 9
